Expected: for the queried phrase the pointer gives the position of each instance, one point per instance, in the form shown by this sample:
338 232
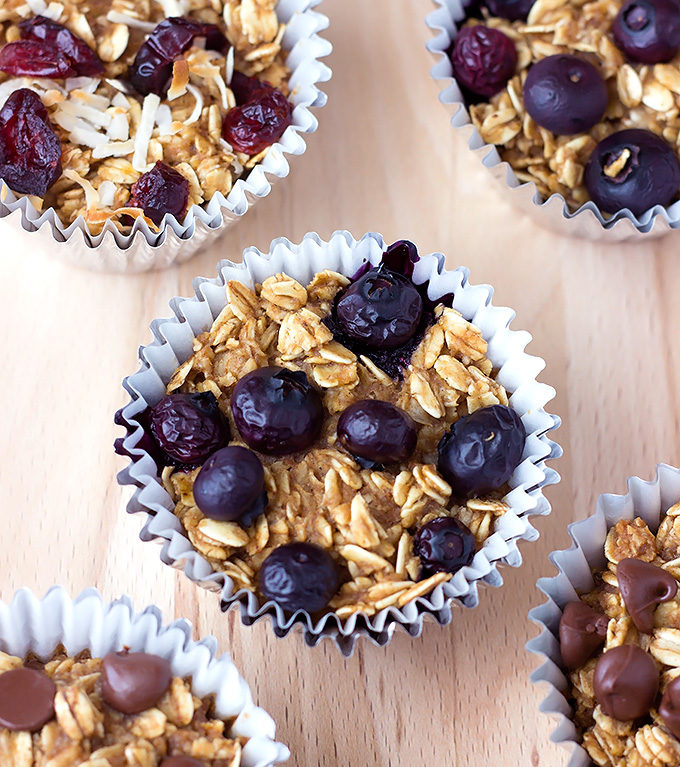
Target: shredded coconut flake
119 129
164 120
37 6
91 194
86 84
144 131
229 65
80 132
96 102
107 190
54 11
193 117
173 7
118 85
93 116
130 21
114 149
120 101
221 86
180 79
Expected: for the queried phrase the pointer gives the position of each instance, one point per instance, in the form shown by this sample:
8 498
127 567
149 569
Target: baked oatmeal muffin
137 108
337 446
621 646
124 709
581 98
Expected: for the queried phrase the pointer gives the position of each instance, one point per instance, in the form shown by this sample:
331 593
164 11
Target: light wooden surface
384 159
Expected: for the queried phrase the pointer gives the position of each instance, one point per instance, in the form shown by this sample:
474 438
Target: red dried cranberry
29 58
259 123
159 191
246 88
82 58
483 59
152 68
30 150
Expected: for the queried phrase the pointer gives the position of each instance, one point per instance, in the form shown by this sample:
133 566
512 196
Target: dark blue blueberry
481 450
276 410
444 546
401 256
189 427
648 30
633 169
513 10
230 486
381 310
299 576
565 94
377 431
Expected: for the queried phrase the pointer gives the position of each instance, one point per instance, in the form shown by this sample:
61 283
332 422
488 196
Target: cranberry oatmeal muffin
621 646
581 98
341 446
123 709
137 108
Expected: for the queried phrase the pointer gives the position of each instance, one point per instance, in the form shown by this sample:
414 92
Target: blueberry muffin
341 446
581 98
620 644
131 109
124 709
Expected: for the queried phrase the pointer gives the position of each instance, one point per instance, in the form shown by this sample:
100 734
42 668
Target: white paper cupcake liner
588 221
144 249
32 625
517 372
648 500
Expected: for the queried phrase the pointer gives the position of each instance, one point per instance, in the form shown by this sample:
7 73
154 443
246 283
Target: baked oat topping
621 643
363 513
114 127
82 722
641 95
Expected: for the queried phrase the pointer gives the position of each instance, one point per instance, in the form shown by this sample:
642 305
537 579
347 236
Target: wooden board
384 159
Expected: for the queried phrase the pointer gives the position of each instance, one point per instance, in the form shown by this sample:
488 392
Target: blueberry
444 546
377 431
648 30
401 256
481 450
565 94
189 427
483 60
512 10
276 410
299 576
632 169
381 310
230 486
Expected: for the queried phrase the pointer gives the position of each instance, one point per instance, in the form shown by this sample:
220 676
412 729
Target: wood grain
384 159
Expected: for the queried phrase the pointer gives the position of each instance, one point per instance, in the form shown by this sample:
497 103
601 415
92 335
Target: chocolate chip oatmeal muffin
338 446
581 98
621 646
124 709
131 109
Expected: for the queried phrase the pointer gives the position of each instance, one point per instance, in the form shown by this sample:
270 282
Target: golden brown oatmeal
364 518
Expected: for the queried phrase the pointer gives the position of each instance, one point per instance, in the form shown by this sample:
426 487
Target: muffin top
582 98
621 646
125 708
137 108
338 446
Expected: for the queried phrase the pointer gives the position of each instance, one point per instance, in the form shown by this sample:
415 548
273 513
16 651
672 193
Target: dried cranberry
29 58
82 58
152 68
254 126
246 88
159 191
483 59
30 150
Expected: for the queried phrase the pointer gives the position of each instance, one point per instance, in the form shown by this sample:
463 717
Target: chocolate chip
181 761
669 709
26 699
582 631
626 681
643 587
134 681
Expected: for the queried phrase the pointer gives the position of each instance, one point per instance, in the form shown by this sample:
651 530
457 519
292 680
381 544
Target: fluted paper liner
588 221
648 500
39 626
517 372
144 249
